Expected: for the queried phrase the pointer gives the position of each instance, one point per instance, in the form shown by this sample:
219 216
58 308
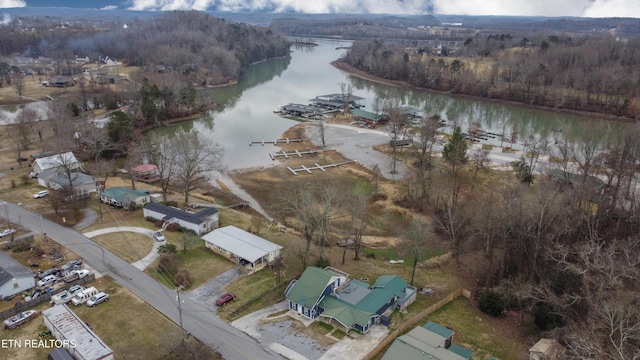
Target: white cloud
110 7
12 4
587 8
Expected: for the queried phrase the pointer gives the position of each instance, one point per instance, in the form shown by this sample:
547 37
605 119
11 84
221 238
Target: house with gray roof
14 277
330 295
200 222
245 248
429 341
58 180
65 325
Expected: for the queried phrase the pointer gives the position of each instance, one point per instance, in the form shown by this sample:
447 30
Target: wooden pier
317 167
275 141
295 152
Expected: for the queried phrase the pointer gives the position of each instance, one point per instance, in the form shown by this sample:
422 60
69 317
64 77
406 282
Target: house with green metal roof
352 304
430 341
124 197
367 117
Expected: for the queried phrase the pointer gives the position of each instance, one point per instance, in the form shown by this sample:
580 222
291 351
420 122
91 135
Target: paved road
197 319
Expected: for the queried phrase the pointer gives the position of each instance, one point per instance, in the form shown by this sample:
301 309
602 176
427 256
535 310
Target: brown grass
128 246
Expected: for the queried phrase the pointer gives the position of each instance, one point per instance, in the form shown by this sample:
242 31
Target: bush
323 262
173 227
168 264
151 219
492 302
167 249
183 278
547 317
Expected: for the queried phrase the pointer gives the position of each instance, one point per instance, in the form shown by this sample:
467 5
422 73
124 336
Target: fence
46 297
411 322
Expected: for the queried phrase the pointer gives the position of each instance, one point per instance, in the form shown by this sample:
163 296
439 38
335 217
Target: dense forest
210 48
596 73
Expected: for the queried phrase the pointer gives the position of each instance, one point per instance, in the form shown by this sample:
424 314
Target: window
15 285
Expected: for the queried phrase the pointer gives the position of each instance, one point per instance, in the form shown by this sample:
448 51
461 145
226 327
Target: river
246 110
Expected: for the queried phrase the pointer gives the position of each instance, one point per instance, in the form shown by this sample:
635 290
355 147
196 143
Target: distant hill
78 4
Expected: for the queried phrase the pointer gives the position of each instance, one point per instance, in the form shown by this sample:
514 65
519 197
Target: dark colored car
53 271
225 298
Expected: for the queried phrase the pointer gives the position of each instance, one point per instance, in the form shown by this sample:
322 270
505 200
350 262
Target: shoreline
402 84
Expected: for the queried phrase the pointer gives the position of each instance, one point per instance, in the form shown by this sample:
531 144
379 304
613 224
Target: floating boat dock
295 152
317 167
275 141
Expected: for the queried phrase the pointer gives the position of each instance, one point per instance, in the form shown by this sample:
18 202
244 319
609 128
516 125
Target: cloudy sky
586 8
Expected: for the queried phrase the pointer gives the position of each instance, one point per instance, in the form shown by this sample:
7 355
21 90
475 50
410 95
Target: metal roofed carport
238 244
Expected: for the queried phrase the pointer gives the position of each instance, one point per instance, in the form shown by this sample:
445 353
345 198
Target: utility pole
180 311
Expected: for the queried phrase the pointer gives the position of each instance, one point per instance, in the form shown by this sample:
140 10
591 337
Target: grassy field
128 246
486 336
150 336
202 264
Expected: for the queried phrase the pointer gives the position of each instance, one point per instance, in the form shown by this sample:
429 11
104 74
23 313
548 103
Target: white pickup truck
66 295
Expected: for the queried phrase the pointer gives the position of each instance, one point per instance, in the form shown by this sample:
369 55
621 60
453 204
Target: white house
200 222
14 277
56 162
243 247
64 324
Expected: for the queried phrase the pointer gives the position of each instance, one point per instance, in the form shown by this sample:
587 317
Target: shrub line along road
197 319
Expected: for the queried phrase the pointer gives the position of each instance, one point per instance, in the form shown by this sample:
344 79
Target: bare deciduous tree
194 158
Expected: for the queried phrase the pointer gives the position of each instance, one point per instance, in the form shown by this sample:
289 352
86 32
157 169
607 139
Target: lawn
202 264
251 288
128 246
486 336
150 336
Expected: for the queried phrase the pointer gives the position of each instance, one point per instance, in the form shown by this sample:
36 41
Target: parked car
97 299
158 236
47 280
7 232
61 297
84 295
75 289
71 277
225 298
52 271
40 194
71 265
82 273
19 319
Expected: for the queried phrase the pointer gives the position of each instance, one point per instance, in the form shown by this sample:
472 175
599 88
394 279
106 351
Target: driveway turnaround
145 261
197 319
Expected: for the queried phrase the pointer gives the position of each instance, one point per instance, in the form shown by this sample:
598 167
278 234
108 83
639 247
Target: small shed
67 327
243 247
14 277
546 349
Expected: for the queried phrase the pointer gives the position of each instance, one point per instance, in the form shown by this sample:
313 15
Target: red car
225 298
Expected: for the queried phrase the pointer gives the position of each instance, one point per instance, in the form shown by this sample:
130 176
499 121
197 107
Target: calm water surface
248 107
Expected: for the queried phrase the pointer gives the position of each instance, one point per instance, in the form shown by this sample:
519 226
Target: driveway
207 293
357 144
278 333
145 261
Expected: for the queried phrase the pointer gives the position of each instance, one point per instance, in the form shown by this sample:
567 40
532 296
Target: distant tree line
201 48
596 73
